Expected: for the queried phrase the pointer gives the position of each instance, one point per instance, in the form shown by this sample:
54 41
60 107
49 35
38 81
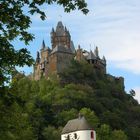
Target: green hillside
38 110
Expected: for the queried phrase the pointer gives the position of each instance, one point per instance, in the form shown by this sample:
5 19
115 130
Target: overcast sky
112 25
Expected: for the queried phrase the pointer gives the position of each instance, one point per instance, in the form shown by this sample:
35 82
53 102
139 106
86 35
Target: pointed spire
79 47
52 30
65 28
60 28
104 58
43 44
60 24
38 57
96 52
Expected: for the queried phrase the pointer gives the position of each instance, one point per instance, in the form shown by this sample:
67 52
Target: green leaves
92 119
72 5
79 72
119 135
52 133
40 109
9 58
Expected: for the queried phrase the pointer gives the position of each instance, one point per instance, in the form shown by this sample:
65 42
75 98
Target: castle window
75 135
68 137
92 135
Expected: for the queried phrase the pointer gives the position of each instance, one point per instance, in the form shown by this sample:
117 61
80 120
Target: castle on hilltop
59 56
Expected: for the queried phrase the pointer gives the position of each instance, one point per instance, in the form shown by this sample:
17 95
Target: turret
79 54
65 28
43 45
104 59
91 57
96 52
52 30
79 47
38 57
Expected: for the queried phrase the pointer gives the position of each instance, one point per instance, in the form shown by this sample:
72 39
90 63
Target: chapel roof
76 125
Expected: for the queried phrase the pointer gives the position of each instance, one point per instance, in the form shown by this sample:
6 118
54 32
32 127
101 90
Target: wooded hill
38 110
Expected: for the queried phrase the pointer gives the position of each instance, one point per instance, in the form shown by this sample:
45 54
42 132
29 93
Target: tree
132 92
79 72
14 24
14 122
104 132
64 116
51 133
36 109
119 135
91 117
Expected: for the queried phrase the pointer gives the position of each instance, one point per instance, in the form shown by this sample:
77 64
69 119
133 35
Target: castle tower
60 36
96 52
98 63
42 62
62 49
91 58
79 54
38 58
37 73
103 64
45 51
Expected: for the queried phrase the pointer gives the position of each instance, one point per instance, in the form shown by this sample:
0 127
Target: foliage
119 135
132 92
104 132
91 117
79 73
40 109
51 133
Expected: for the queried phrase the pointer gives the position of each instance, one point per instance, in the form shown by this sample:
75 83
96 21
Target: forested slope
38 110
